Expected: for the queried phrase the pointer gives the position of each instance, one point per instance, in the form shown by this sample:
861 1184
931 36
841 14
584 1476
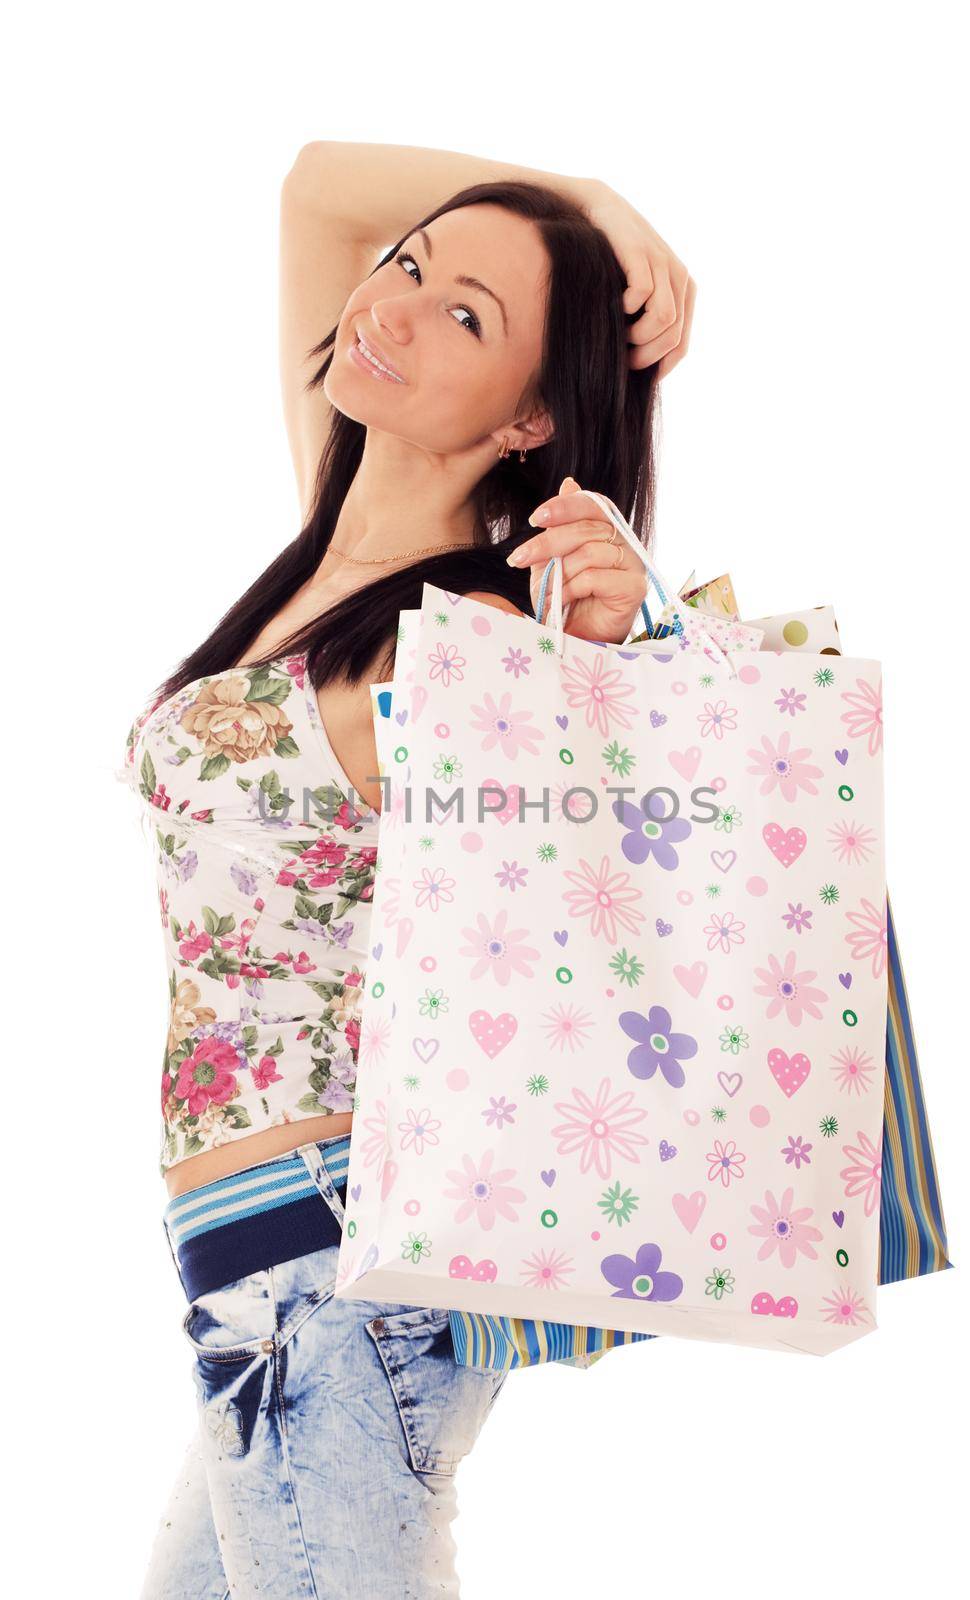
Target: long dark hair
603 417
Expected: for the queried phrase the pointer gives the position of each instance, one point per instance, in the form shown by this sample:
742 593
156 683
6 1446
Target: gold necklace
428 549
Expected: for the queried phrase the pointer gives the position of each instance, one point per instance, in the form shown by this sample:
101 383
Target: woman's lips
361 360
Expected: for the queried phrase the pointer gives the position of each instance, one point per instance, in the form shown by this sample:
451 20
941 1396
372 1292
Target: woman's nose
392 318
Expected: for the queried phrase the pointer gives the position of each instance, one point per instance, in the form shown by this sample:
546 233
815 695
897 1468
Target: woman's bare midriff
346 713
251 1148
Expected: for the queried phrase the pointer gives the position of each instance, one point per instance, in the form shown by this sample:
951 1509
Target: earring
521 455
505 450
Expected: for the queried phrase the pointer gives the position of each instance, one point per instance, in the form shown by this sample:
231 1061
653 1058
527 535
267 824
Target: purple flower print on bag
649 833
656 1045
639 1278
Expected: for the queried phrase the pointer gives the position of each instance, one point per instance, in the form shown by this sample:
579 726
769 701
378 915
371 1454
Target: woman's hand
603 581
655 279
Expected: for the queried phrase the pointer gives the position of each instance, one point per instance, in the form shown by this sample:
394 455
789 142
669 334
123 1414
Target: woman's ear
539 427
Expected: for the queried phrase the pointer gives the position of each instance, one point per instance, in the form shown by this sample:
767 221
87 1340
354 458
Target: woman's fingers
559 541
662 312
571 506
656 279
679 351
621 591
610 575
611 557
669 346
625 582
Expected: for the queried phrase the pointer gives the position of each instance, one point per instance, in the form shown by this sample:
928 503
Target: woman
497 347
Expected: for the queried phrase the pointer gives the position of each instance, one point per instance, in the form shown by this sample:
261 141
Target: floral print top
265 864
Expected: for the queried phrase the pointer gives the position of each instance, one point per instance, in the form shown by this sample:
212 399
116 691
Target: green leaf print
264 686
237 1116
325 988
286 748
213 767
148 784
216 925
309 1102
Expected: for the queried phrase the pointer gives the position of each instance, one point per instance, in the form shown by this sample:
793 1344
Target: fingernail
539 516
514 559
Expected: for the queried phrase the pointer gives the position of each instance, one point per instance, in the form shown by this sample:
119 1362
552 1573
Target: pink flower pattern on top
265 880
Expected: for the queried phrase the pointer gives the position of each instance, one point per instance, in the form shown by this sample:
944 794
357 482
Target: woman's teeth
370 356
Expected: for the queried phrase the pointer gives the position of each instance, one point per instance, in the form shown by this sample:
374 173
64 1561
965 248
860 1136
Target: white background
808 165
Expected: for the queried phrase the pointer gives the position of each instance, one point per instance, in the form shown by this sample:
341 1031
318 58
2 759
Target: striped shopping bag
912 1232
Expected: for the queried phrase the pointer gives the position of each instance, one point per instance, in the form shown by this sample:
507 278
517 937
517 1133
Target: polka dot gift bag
622 1047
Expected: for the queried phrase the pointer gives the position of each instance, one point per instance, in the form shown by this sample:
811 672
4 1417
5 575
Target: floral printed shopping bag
636 1043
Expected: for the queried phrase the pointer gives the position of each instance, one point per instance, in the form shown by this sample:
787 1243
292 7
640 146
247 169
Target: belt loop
316 1164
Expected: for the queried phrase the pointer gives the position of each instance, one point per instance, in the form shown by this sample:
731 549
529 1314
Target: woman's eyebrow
468 283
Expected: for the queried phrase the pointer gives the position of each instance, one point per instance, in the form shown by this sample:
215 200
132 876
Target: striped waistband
266 1214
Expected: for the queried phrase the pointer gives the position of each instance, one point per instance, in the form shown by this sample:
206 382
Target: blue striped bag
912 1232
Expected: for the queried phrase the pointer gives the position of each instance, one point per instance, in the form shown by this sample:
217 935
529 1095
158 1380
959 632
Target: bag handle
551 565
666 591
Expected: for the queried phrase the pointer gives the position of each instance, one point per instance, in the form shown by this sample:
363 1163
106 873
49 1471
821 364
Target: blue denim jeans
329 1436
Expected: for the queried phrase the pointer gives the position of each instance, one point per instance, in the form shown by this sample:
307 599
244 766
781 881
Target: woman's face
465 357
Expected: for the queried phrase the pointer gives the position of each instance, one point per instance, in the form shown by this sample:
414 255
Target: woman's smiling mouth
364 356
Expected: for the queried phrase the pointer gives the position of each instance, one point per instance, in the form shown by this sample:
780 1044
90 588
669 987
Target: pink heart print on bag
789 1072
785 844
484 1271
492 1033
765 1305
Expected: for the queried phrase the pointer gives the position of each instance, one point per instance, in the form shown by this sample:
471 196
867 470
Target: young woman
506 348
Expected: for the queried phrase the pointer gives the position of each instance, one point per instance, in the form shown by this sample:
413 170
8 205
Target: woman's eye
402 257
474 326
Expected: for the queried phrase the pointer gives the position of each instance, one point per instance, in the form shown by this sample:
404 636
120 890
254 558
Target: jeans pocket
441 1404
235 1322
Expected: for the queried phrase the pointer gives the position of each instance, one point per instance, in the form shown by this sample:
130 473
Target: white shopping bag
623 1035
